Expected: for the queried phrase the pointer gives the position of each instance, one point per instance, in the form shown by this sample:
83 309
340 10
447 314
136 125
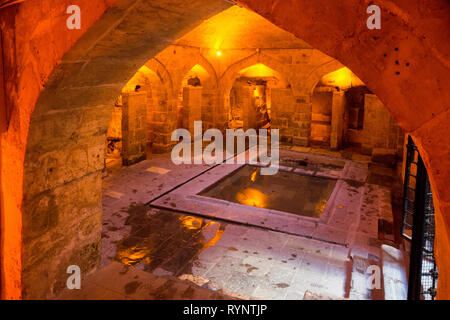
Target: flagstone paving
177 255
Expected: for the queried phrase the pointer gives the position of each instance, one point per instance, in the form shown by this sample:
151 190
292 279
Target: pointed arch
314 77
232 72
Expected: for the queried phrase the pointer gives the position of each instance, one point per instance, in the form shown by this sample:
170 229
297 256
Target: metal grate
418 227
409 192
429 273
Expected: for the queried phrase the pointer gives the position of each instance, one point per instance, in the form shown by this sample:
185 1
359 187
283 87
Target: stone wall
192 107
210 104
298 71
382 137
247 103
134 133
416 92
338 120
321 116
65 139
355 102
283 112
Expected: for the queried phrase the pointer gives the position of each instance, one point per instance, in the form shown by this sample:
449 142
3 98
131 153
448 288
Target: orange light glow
134 255
252 197
219 53
343 78
191 223
320 206
253 176
217 236
259 70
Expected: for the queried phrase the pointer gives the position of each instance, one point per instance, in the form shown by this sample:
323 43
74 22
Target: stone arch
156 98
31 192
209 78
157 102
314 77
206 65
229 76
191 97
227 79
390 61
163 119
164 76
72 160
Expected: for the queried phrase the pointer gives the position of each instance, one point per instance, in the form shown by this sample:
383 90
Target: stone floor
195 255
120 282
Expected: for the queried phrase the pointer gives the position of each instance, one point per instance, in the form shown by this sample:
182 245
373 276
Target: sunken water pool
285 191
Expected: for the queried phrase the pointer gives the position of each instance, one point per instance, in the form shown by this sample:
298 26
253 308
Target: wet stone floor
161 253
239 261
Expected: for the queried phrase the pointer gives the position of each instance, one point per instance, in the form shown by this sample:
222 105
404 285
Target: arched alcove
145 97
196 99
256 98
255 66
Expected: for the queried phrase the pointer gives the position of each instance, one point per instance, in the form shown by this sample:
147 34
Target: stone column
192 107
302 117
134 135
211 115
382 138
293 126
337 120
247 102
164 121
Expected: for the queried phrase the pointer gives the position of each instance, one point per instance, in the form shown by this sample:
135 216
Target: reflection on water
166 240
251 197
284 191
191 223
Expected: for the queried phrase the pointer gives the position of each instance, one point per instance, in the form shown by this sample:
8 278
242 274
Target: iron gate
418 227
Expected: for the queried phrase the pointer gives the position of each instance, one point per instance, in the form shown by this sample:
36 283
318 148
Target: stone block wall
321 116
192 107
115 126
134 133
338 120
421 107
302 119
209 107
381 134
247 104
153 105
292 116
62 213
163 121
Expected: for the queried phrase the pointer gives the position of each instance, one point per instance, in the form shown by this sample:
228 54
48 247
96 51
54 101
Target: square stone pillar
192 107
382 138
134 135
247 101
164 121
337 119
303 116
291 115
211 115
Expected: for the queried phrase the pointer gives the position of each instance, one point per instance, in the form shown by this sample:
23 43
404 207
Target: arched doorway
142 98
196 99
251 97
